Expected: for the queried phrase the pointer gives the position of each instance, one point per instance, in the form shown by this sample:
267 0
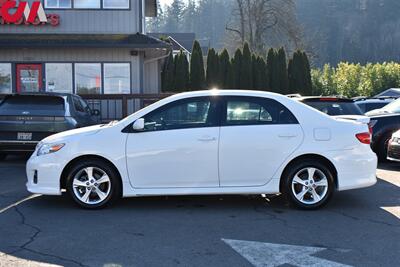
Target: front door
177 149
29 78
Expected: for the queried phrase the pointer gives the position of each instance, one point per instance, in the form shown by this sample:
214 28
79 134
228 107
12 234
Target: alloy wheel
310 185
91 185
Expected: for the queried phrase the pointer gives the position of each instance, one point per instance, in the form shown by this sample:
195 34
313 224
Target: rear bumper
355 168
17 146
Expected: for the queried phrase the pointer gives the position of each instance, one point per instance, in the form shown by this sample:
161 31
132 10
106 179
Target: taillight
364 138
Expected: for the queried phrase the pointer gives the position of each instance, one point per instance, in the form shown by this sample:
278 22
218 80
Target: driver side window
190 113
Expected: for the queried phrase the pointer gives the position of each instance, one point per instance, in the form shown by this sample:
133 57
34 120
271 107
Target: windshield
334 108
393 107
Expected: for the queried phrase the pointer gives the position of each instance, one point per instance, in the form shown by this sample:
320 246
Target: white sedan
208 142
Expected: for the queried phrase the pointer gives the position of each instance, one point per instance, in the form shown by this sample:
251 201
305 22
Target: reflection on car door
256 136
178 148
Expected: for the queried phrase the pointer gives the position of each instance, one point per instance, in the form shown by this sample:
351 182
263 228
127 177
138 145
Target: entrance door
29 78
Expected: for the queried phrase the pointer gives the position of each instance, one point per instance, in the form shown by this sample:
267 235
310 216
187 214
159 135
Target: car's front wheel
93 184
308 184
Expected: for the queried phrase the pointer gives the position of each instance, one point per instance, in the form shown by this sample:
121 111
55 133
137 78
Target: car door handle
207 139
287 135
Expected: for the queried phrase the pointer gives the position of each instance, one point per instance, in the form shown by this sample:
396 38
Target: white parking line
19 202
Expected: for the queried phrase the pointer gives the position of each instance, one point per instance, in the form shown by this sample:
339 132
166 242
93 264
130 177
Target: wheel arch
316 157
64 173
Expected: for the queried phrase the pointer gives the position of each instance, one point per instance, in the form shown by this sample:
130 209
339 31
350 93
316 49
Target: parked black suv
25 119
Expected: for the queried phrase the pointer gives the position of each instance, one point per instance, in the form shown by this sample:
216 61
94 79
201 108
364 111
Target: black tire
299 166
382 148
115 190
2 156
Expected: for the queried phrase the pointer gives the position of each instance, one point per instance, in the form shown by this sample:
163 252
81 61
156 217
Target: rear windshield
35 105
335 108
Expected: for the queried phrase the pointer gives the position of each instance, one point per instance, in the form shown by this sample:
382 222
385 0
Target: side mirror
95 112
138 125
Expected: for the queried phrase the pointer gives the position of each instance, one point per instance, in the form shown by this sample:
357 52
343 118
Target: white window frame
95 8
113 7
117 63
71 77
88 63
11 77
58 6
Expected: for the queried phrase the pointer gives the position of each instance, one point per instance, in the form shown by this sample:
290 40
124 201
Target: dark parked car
333 106
394 147
382 125
369 104
25 119
391 108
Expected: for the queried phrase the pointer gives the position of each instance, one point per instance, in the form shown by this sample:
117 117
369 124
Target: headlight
49 148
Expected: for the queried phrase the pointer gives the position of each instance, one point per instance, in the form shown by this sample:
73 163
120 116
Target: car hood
75 133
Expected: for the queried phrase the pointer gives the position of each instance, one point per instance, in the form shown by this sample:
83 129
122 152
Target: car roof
325 98
40 94
228 92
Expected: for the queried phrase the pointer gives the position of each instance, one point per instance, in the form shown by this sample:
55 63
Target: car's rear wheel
309 184
93 184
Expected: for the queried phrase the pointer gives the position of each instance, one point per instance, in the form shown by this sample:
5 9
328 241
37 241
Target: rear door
256 137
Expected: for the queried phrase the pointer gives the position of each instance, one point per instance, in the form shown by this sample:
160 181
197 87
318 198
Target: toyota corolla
208 142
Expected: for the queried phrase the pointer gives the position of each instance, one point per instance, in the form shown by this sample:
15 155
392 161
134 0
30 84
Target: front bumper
43 174
394 151
355 168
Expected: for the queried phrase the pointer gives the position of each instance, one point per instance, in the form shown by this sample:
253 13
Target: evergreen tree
197 75
256 74
236 65
181 72
168 81
282 72
273 80
260 73
299 73
307 75
230 77
246 69
223 69
212 69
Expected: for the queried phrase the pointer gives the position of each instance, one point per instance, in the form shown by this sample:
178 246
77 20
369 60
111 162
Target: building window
88 78
57 3
59 77
5 78
86 3
117 78
115 4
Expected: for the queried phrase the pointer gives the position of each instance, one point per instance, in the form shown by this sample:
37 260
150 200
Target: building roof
133 41
179 41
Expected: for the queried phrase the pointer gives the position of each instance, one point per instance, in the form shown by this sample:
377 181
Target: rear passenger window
254 111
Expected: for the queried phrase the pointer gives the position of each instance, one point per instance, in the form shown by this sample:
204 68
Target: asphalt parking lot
358 228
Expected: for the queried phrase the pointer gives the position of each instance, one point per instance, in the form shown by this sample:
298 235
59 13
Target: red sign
25 14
